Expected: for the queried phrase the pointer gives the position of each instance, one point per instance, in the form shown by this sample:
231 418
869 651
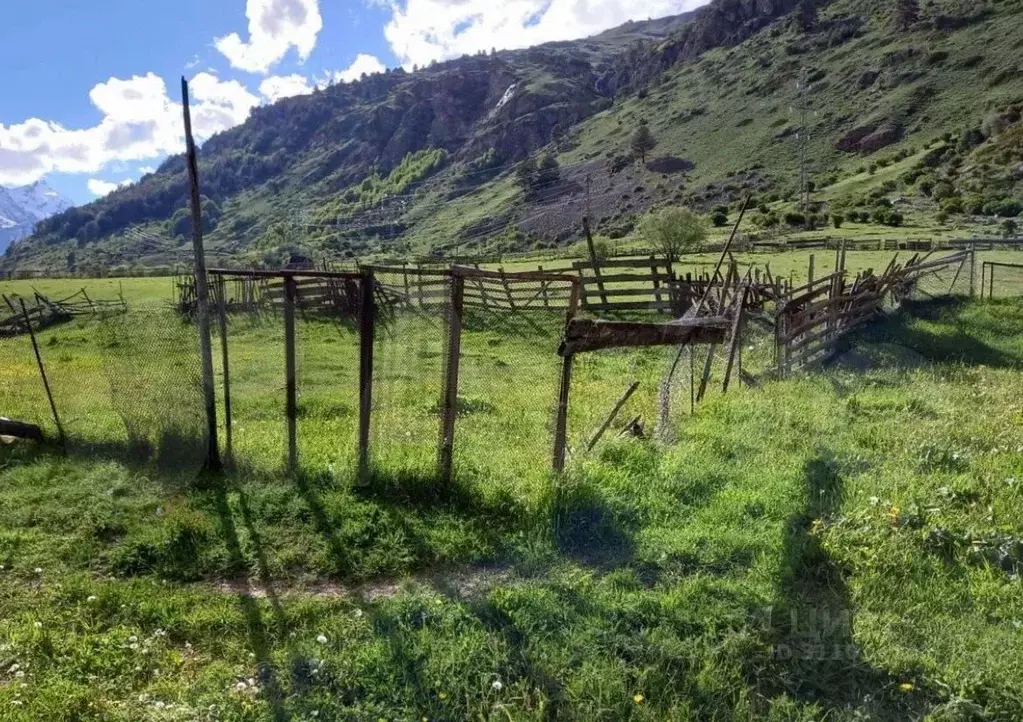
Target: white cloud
420 31
275 26
140 122
284 86
144 170
363 63
101 187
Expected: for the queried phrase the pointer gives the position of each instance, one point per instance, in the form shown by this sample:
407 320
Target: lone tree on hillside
642 141
907 14
673 231
533 178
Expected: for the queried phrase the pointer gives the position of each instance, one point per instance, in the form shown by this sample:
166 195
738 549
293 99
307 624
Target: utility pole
804 139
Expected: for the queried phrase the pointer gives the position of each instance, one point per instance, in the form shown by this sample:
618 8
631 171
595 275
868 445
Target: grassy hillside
910 128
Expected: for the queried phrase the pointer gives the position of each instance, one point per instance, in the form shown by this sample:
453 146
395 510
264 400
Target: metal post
201 289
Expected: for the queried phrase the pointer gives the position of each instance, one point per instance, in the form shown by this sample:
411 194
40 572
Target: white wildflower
358 612
38 625
133 638
322 639
14 668
19 674
91 598
39 570
496 685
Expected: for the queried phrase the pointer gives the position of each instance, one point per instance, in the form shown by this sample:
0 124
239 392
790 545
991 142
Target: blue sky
91 90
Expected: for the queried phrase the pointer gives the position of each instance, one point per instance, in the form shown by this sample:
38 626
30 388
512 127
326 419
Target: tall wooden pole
561 421
449 403
201 290
222 318
366 333
290 387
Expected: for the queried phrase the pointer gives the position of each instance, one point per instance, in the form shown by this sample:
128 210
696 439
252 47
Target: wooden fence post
201 290
291 404
809 272
42 373
973 268
561 422
366 338
449 403
222 317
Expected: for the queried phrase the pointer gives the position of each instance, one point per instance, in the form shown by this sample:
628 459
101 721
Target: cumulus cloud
421 31
363 64
101 187
139 122
284 86
275 26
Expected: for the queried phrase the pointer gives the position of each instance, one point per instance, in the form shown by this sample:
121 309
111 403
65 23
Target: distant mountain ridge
22 207
898 100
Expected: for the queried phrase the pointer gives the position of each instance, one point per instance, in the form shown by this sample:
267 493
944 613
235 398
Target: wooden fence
813 318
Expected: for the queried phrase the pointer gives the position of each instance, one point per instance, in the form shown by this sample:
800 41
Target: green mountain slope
909 118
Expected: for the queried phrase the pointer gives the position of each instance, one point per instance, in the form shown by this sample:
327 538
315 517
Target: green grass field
841 546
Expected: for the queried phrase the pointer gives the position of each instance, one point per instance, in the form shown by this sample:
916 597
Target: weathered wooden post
291 396
42 373
222 314
809 272
449 402
201 290
561 422
366 338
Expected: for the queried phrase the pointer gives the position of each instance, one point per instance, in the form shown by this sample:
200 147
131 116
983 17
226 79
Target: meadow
843 545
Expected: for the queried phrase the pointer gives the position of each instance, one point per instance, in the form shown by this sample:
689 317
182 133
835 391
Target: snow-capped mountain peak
24 206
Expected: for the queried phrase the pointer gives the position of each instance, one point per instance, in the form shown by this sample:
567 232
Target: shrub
894 219
718 219
837 219
942 190
1009 208
951 205
926 187
1009 228
795 218
673 231
941 217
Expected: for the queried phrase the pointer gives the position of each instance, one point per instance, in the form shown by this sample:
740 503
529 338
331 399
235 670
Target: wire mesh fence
126 383
1001 280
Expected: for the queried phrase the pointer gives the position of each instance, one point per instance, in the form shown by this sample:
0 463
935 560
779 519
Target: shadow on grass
951 337
259 639
813 657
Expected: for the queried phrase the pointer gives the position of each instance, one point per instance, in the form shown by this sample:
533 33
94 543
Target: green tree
642 141
548 174
837 219
525 175
673 231
1009 228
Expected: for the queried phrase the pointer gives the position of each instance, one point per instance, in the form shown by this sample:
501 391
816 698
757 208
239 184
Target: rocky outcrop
870 137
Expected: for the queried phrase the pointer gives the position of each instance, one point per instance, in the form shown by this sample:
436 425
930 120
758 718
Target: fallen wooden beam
20 429
589 335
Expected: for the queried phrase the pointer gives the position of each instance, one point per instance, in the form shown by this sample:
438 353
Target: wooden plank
736 337
622 278
631 306
449 402
20 429
621 292
611 416
590 335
